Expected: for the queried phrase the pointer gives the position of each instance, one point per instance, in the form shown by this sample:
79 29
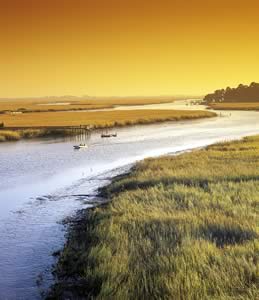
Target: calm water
43 182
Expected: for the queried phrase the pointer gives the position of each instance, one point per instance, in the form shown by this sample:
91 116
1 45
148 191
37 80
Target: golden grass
178 227
33 105
99 119
9 135
235 106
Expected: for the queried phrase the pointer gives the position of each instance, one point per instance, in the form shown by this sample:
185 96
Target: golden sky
126 47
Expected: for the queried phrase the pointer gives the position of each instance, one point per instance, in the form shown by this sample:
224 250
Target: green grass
183 227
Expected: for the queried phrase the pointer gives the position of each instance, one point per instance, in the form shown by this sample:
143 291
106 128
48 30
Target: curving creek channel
43 182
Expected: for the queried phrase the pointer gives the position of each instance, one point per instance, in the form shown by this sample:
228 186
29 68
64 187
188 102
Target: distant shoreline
234 106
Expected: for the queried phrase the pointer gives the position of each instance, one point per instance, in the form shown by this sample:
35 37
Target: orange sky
126 47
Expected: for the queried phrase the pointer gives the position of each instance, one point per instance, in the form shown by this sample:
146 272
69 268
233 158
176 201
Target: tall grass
9 135
235 106
46 132
184 227
101 119
97 120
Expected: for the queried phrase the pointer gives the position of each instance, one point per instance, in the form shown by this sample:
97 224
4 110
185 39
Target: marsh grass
96 120
235 106
47 132
9 135
102 119
183 227
46 104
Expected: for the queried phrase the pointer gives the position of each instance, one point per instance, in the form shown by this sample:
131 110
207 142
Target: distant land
97 98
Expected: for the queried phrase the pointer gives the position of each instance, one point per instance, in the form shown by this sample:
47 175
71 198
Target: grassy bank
184 227
11 135
96 120
235 106
102 119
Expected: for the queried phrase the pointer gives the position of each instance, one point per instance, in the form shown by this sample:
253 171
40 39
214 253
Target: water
178 104
43 182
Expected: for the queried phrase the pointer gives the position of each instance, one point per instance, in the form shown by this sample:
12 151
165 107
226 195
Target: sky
126 47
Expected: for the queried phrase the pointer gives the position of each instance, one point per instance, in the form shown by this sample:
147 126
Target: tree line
243 93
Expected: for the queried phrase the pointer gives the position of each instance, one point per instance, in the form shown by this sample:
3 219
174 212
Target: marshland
103 119
129 150
44 183
18 123
16 135
71 103
235 106
176 227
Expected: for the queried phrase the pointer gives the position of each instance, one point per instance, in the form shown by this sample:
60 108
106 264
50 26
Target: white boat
80 146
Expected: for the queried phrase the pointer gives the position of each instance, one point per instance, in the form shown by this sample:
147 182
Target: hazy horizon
74 97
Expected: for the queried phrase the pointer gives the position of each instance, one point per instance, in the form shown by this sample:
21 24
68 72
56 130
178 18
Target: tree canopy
243 93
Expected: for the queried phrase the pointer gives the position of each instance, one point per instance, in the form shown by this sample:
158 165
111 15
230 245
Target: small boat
105 135
80 146
108 135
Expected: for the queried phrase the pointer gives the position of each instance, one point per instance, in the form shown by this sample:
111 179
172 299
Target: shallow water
44 181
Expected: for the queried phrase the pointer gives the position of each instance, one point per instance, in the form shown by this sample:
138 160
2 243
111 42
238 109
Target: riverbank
95 120
182 227
16 135
234 106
